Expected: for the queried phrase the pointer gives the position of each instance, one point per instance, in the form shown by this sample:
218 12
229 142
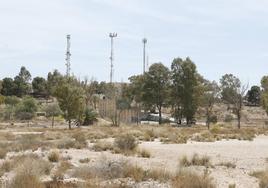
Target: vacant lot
132 156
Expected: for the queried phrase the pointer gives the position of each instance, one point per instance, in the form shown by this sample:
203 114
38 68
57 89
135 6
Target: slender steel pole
144 41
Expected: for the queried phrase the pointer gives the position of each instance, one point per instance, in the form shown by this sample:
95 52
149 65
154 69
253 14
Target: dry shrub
149 135
85 160
80 140
61 184
23 180
175 138
28 173
144 153
103 168
29 142
108 169
125 142
262 176
7 136
54 156
204 136
37 167
61 170
102 146
15 161
3 153
6 166
232 186
66 143
227 164
195 161
192 180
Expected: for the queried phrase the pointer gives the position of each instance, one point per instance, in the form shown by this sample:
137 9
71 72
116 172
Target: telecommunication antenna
112 36
144 41
147 66
68 56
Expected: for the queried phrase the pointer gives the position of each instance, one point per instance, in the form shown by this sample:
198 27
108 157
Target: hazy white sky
220 36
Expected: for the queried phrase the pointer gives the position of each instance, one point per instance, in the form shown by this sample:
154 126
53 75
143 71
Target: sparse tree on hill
210 97
155 90
54 79
8 87
254 96
22 83
53 110
232 92
39 85
26 109
71 101
135 93
185 92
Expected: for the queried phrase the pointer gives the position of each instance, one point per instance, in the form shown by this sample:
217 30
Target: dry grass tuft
227 164
108 169
65 143
6 166
53 156
102 146
3 153
195 161
85 160
125 143
144 153
61 170
262 176
232 186
192 180
28 173
175 138
37 167
24 180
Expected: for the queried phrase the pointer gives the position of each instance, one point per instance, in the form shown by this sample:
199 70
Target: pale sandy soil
247 155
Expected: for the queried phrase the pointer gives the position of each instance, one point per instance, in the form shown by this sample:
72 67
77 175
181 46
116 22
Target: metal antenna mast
68 56
112 36
144 41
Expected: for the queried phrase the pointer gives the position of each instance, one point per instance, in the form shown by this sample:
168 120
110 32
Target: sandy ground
247 155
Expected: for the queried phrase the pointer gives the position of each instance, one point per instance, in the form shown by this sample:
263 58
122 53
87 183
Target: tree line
179 87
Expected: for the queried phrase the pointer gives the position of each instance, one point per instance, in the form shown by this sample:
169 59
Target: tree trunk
52 124
69 122
208 119
238 120
160 115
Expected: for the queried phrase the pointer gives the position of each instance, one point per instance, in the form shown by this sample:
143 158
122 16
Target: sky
220 36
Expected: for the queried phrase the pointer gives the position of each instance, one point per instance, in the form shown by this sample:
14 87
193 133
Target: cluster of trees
76 100
179 87
184 90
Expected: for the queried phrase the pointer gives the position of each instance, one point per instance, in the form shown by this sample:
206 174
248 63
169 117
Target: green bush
90 117
213 119
26 109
